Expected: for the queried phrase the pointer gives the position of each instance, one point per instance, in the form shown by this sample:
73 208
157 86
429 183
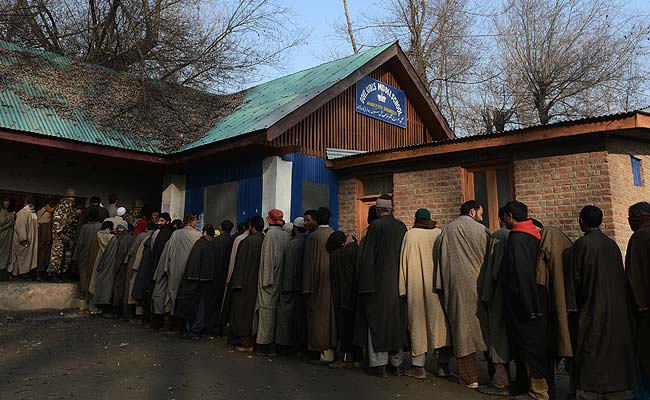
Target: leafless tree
348 21
194 42
490 106
436 37
568 58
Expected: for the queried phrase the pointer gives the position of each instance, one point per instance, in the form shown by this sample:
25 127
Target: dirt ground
71 356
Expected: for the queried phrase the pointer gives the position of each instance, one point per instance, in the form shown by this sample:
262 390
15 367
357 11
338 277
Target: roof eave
614 123
424 93
289 120
248 139
436 117
73 145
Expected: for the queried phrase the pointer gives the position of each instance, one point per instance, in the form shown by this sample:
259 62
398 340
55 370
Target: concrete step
30 296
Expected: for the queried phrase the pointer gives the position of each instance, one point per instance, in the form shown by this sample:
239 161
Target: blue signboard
381 101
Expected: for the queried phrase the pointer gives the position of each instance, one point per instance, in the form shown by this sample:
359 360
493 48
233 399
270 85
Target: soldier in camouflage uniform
64 223
133 216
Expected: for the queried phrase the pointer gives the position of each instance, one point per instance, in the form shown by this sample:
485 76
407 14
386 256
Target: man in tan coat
460 254
25 241
426 321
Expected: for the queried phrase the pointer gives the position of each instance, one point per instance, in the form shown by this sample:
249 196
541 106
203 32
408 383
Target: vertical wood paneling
338 125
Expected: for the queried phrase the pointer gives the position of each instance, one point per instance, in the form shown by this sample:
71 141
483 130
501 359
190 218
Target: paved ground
79 357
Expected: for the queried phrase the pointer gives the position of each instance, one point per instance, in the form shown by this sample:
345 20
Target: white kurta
427 324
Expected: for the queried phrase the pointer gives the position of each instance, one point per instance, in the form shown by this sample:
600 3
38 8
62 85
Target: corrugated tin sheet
16 115
57 59
263 105
312 169
333 154
266 104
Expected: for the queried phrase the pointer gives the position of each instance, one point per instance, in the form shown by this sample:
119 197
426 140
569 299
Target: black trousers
345 330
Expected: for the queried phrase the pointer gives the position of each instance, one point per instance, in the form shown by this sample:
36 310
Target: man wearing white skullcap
118 218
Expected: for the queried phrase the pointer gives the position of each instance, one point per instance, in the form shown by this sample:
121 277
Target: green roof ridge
382 46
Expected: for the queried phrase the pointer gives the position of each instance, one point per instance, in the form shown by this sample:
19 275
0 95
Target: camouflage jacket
64 219
131 216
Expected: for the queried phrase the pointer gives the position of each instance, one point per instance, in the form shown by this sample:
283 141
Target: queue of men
51 243
524 295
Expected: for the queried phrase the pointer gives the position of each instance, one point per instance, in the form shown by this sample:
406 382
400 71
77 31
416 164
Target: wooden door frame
490 168
369 200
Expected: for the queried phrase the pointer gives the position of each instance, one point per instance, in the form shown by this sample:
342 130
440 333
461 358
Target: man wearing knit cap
381 321
64 222
291 324
428 328
274 245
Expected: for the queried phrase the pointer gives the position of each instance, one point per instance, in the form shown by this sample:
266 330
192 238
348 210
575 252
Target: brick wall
556 188
438 190
624 193
348 205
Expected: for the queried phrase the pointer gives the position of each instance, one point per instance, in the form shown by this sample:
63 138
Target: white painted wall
173 195
48 172
276 186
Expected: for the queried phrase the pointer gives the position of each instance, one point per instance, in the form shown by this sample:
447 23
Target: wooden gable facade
337 125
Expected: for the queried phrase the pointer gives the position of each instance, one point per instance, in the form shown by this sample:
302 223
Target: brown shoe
242 349
416 372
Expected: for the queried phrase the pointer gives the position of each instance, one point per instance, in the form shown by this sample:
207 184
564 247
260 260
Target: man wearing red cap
274 245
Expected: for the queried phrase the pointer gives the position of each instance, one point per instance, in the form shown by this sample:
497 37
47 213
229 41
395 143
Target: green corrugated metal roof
266 104
16 115
262 105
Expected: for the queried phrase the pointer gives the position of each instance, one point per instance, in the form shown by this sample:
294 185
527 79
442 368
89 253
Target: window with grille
377 185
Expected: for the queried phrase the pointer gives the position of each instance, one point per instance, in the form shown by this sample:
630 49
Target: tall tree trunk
349 22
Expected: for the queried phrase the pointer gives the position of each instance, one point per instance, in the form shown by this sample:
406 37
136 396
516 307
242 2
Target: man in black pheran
525 301
603 344
637 269
381 317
